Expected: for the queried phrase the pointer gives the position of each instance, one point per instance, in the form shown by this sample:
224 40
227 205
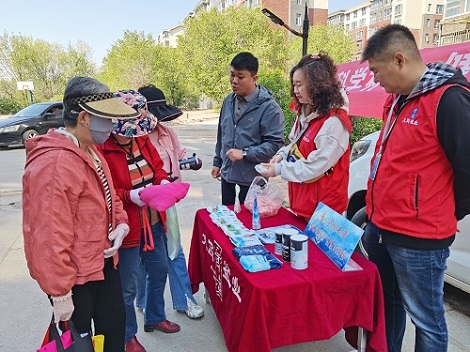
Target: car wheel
360 219
28 134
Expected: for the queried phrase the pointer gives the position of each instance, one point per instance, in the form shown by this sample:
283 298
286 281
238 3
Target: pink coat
169 148
65 214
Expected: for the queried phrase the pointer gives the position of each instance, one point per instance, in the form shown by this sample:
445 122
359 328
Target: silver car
458 263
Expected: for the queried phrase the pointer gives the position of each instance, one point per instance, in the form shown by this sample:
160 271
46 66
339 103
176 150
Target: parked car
31 121
458 263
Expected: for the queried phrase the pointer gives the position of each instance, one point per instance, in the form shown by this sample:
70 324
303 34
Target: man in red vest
419 183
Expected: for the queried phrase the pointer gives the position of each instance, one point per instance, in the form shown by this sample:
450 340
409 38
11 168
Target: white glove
164 182
63 307
135 198
116 237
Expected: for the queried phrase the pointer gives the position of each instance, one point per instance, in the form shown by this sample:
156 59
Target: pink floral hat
141 126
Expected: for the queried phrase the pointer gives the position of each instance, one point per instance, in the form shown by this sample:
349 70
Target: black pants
102 302
228 193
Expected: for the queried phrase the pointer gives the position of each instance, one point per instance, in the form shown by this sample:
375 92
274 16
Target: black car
31 121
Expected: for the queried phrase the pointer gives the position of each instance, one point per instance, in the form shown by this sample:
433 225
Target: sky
100 23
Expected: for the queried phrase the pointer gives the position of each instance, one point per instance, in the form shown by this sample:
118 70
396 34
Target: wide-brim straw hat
104 105
141 126
157 104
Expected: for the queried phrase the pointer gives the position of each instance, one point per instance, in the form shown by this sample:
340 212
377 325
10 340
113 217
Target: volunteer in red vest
419 183
316 162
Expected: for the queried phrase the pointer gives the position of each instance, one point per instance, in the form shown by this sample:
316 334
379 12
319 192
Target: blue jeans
128 266
178 278
413 283
156 265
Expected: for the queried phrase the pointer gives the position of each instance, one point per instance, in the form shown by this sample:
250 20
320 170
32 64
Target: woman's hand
269 172
276 159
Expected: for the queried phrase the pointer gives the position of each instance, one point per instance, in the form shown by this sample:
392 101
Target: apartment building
290 11
455 27
423 17
168 37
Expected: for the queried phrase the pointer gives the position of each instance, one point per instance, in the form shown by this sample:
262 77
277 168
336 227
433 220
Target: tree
213 38
48 65
334 40
130 62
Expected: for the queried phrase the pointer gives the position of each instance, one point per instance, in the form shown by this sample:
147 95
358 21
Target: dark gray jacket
260 131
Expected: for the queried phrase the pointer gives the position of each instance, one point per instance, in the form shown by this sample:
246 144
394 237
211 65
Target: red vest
331 189
413 191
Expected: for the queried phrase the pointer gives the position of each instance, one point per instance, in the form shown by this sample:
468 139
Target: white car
458 263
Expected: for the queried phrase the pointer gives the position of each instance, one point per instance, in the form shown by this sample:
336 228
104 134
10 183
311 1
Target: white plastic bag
270 197
173 232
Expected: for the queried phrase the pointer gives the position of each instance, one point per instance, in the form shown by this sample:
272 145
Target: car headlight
359 149
10 128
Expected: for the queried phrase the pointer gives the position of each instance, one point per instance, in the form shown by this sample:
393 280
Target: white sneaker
194 311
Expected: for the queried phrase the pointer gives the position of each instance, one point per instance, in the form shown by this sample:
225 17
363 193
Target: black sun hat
157 105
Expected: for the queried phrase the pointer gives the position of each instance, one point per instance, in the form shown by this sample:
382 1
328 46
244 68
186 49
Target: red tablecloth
278 307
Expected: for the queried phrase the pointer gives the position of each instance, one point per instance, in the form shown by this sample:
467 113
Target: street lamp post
305 31
304 35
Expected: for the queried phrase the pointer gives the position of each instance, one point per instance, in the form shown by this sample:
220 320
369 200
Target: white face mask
100 129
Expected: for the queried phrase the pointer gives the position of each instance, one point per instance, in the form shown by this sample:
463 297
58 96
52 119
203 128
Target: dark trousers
102 302
228 193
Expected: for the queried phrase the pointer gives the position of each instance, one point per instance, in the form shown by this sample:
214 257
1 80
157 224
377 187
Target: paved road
24 310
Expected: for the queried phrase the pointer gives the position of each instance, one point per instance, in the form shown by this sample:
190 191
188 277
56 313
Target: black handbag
79 343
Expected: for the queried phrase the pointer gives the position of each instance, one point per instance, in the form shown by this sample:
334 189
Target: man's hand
235 154
116 237
215 172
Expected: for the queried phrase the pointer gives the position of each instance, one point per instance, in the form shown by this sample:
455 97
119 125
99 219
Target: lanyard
388 128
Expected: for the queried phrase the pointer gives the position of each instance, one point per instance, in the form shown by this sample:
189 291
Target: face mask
100 129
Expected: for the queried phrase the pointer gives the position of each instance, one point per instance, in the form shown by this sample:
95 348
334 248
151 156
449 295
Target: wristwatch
244 153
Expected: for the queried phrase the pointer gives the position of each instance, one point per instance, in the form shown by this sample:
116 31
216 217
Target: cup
278 241
299 252
286 235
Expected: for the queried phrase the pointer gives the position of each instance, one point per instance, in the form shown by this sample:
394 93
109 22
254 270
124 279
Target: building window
387 13
348 17
359 35
353 25
428 23
435 39
439 9
426 38
298 19
398 10
299 2
222 5
364 11
437 24
347 27
362 22
355 14
429 7
373 18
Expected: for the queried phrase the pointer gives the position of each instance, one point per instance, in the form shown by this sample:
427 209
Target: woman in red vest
316 162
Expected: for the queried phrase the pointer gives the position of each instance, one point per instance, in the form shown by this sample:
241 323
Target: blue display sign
335 235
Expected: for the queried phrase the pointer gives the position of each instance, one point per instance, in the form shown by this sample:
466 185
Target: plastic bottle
255 222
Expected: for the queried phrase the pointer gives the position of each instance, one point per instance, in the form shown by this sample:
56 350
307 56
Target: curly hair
322 84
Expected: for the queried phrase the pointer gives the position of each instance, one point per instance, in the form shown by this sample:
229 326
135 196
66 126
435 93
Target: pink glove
164 196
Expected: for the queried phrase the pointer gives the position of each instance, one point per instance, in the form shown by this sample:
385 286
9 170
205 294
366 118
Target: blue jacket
260 131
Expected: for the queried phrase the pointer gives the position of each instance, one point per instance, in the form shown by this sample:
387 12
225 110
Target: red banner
366 98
